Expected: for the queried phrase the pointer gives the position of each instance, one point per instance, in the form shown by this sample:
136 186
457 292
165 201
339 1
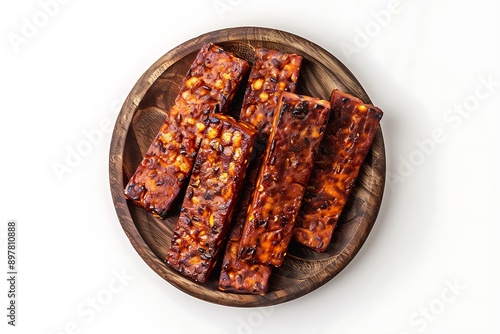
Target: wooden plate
144 111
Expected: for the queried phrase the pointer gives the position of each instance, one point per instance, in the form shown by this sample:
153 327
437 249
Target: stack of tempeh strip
298 128
280 199
209 86
349 135
272 73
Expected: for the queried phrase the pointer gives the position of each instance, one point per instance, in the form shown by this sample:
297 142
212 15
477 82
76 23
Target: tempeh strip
272 73
348 137
297 130
238 275
209 86
216 179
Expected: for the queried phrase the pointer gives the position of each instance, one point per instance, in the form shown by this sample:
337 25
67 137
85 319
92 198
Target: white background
431 263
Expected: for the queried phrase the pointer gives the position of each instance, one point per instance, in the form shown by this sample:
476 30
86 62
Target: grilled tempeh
272 73
298 127
209 87
348 137
216 179
238 275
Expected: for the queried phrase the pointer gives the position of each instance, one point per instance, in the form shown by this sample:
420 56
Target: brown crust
297 130
348 137
272 73
209 86
215 182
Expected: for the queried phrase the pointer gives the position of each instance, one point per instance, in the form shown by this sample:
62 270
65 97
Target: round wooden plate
144 111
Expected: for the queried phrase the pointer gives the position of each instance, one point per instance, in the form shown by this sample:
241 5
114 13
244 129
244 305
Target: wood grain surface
144 111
